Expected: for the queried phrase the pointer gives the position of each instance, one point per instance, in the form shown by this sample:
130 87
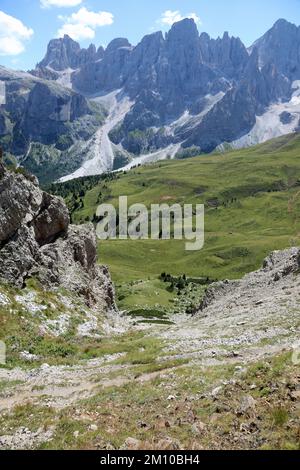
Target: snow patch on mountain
279 119
162 154
99 149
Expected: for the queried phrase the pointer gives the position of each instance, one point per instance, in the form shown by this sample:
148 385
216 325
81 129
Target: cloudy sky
26 26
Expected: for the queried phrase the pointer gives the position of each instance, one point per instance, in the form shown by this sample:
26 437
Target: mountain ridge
178 93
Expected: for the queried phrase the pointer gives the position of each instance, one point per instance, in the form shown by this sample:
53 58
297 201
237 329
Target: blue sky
26 26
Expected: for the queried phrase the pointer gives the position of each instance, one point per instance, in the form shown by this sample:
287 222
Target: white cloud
77 31
170 17
60 3
82 25
13 34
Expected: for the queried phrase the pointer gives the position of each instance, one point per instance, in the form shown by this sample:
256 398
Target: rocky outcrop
40 111
64 53
107 74
42 121
37 241
280 47
227 54
257 288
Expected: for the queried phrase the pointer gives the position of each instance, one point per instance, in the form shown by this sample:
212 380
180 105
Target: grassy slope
257 190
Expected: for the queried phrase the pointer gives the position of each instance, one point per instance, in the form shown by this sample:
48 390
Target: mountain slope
200 383
42 123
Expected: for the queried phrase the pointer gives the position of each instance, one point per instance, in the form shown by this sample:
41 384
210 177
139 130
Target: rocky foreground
227 378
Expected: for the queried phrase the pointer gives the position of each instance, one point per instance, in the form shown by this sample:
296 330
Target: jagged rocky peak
280 46
107 74
184 31
100 52
117 43
283 26
64 53
147 51
227 53
37 241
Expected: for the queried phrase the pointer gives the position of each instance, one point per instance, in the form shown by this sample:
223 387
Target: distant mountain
43 124
180 94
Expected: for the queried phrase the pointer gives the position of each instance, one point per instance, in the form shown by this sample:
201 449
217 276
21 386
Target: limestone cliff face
37 241
65 53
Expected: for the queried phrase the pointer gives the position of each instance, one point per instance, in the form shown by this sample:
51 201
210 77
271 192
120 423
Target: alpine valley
85 112
140 344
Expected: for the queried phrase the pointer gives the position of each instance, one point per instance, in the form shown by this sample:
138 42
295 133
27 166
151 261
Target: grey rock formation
166 77
185 89
257 286
104 75
64 53
37 241
227 54
39 113
280 47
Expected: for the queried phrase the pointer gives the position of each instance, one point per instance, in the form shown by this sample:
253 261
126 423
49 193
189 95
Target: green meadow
252 203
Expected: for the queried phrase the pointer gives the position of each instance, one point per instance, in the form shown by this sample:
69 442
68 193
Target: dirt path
61 386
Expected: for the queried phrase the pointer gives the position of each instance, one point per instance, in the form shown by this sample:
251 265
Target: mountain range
88 111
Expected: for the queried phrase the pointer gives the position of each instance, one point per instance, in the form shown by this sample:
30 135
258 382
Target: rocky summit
37 241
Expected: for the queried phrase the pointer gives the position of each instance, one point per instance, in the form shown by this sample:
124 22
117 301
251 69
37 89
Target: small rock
216 391
190 417
169 444
26 356
4 300
247 405
171 398
76 434
248 427
198 428
235 354
93 427
109 446
295 395
131 444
